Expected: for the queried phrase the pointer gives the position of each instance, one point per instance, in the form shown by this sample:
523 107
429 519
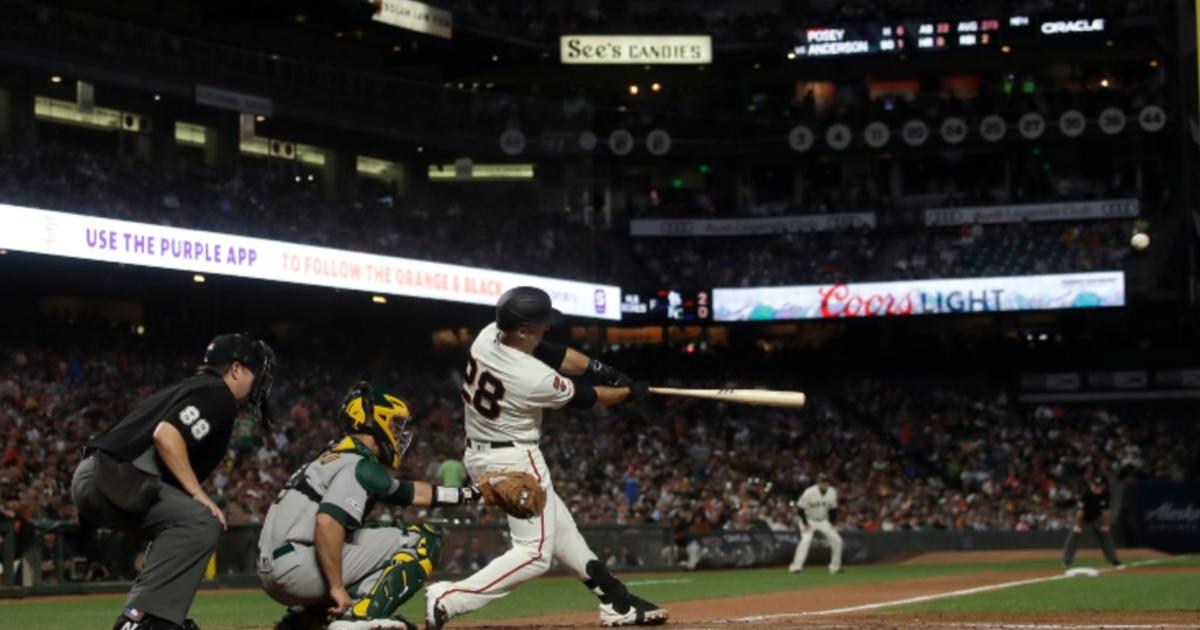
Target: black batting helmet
520 306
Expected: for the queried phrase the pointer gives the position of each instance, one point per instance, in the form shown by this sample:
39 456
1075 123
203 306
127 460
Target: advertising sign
415 16
749 227
921 297
1035 212
635 49
149 245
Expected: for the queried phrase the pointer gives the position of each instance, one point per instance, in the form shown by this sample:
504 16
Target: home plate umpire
144 474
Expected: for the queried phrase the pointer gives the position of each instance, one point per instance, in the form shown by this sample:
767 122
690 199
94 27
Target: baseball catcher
315 553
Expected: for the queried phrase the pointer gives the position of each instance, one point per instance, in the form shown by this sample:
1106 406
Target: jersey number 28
489 391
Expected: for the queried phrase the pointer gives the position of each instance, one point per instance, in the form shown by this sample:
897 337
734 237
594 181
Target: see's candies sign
635 49
921 297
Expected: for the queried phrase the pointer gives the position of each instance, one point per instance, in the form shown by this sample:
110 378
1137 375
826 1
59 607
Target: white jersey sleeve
553 391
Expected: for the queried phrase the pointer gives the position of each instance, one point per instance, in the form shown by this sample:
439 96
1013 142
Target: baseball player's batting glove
637 391
608 375
517 493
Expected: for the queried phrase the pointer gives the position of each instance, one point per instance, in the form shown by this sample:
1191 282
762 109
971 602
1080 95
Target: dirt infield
1021 555
854 605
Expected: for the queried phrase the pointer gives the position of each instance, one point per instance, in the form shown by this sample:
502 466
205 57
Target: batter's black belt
500 444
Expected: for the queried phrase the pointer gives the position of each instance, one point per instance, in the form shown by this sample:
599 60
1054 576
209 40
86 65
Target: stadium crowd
903 457
265 200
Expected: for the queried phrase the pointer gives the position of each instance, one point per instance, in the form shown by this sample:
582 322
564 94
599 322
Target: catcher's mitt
517 493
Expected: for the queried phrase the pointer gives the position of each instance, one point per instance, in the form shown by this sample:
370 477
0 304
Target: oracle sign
1059 27
921 297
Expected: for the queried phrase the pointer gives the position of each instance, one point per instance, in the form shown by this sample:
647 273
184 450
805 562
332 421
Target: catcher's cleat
639 613
371 624
397 623
302 618
435 615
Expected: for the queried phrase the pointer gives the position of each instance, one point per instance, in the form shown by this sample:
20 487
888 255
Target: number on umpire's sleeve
200 429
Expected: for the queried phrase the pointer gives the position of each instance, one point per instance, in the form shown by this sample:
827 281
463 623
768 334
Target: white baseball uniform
505 391
816 506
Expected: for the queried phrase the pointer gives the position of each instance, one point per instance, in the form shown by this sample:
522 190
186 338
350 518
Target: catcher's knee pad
428 545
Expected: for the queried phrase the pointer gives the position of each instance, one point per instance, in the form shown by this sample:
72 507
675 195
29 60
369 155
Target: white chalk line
647 582
935 596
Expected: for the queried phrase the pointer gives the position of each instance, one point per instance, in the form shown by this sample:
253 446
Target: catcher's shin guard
400 580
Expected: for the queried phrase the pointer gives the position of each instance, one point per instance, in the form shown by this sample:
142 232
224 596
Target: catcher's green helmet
381 413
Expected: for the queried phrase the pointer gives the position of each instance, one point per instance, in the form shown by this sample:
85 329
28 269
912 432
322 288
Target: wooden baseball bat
768 397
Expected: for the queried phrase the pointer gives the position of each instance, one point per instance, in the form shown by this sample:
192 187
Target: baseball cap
520 306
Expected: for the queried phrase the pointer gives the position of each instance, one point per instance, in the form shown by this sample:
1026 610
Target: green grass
1108 593
229 610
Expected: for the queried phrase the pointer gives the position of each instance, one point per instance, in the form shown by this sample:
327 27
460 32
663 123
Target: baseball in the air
1140 241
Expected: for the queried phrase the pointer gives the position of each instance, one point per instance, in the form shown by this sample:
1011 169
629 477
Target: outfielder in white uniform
510 378
818 507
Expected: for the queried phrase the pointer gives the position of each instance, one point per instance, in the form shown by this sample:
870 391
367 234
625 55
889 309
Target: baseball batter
818 509
314 553
511 376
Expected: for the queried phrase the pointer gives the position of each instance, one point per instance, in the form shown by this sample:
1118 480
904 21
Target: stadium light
157 97
633 89
260 118
378 299
139 330
396 48
54 78
656 87
495 57
1153 63
1104 82
198 278
1005 49
791 55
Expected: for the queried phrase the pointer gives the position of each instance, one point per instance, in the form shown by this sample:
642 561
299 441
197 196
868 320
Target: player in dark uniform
1093 511
144 474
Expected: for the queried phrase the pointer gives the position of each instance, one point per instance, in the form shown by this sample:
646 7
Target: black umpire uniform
125 480
1092 512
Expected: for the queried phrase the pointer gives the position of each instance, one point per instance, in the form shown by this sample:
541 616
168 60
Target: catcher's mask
253 353
383 415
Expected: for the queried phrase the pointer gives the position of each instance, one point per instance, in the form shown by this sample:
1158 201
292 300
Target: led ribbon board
148 245
921 297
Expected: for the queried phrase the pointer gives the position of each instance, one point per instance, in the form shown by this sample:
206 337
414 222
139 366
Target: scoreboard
936 35
667 305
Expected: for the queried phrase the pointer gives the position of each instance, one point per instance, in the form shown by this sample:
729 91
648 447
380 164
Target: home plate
1084 571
